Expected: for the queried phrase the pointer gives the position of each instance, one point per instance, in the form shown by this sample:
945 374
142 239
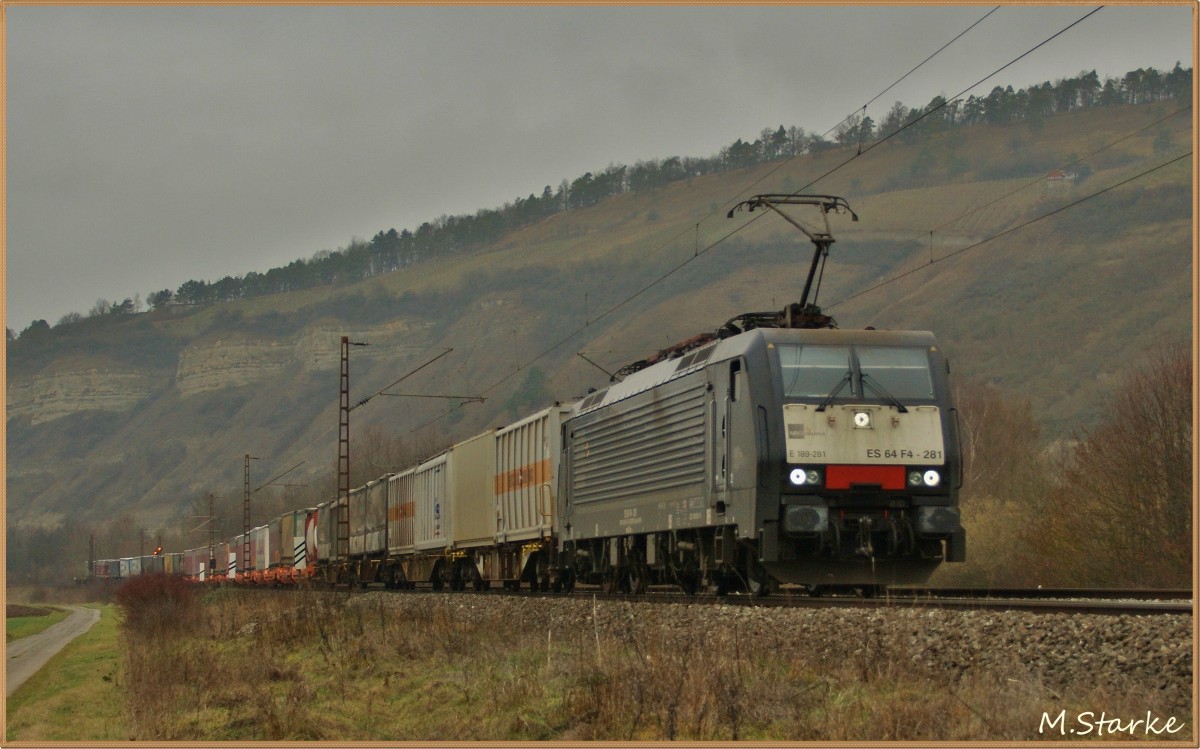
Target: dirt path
28 654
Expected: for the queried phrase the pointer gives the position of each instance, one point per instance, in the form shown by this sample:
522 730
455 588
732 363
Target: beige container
287 531
472 492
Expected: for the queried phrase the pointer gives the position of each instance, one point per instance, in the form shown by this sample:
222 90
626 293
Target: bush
1005 476
157 603
1122 513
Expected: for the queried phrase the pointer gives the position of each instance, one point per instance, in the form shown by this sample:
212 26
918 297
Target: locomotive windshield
814 371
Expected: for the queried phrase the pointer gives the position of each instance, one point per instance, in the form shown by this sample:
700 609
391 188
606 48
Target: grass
78 695
16 627
323 667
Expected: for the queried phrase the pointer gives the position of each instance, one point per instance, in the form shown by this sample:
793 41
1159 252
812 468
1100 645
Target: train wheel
868 591
725 583
635 580
689 583
611 583
758 582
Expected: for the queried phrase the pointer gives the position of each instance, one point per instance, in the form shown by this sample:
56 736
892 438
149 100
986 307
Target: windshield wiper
869 382
829 398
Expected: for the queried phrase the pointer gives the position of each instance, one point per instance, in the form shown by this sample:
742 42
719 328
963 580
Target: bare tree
1123 512
1005 480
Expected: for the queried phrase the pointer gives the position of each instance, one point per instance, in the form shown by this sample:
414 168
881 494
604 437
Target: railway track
1079 601
1082 601
1040 600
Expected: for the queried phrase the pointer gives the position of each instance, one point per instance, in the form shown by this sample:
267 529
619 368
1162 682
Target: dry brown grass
320 666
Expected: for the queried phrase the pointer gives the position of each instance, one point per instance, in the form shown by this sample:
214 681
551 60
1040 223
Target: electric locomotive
778 449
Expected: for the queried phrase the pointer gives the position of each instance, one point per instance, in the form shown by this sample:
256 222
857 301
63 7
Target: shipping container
195 561
432 521
260 547
400 513
327 530
374 539
526 477
287 539
221 558
358 515
233 556
307 555
471 495
275 543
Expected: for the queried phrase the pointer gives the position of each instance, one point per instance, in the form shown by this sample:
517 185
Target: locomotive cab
866 460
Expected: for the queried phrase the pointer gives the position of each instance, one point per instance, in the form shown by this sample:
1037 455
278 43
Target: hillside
136 420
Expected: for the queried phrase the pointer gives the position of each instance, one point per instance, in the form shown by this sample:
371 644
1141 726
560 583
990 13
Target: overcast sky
147 146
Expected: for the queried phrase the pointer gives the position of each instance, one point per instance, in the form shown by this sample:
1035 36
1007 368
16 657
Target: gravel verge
1060 654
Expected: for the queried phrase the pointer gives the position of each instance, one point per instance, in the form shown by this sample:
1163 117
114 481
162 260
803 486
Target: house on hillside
1060 180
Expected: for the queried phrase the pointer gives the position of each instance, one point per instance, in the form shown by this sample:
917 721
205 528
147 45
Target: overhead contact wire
947 101
1012 229
746 224
1038 180
698 252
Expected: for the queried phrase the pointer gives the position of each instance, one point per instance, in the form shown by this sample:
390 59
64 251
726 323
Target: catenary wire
727 235
1039 179
876 286
1010 230
699 252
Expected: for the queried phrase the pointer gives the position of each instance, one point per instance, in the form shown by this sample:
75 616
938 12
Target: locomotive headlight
804 477
930 478
862 420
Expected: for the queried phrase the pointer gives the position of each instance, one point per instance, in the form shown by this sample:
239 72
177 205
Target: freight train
778 450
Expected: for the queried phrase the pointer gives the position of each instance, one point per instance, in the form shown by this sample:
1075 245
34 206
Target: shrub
157 602
1122 513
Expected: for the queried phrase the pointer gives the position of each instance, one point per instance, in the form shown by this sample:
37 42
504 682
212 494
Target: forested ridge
391 250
